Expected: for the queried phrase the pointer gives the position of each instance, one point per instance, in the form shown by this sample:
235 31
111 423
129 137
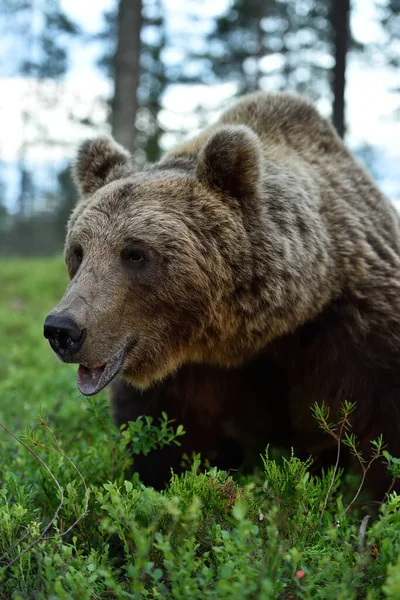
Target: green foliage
298 496
80 525
142 435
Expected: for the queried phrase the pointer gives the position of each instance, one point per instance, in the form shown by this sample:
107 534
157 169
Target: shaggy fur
270 279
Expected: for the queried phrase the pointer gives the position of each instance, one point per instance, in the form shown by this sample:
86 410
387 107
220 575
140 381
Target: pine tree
275 45
285 45
390 19
340 24
389 12
36 34
126 72
152 80
40 30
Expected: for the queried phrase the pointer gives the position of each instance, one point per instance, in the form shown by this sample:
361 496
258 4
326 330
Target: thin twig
365 471
50 523
338 438
42 536
328 493
390 489
71 462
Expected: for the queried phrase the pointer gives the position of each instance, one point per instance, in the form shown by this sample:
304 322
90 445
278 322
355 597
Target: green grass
90 530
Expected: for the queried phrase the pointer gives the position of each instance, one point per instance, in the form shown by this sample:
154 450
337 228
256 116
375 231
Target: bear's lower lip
92 380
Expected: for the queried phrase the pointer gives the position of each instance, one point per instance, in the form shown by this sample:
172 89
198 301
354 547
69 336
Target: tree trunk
340 21
126 73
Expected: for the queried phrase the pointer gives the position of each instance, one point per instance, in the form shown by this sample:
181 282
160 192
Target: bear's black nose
64 335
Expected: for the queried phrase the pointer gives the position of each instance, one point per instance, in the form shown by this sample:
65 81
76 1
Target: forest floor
74 523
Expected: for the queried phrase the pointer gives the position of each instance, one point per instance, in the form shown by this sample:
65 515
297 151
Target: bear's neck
279 273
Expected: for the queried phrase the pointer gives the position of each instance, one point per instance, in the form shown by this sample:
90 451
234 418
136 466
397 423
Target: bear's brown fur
252 271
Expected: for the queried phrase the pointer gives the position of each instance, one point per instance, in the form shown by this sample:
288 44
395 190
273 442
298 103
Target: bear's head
155 259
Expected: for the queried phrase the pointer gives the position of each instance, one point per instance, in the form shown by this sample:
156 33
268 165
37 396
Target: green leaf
128 486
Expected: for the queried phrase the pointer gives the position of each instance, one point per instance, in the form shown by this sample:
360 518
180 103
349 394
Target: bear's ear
231 161
99 161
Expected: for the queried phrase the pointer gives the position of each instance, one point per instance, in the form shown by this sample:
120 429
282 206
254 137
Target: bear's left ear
99 161
231 161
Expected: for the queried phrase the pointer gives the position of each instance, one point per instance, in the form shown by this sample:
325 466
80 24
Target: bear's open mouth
92 380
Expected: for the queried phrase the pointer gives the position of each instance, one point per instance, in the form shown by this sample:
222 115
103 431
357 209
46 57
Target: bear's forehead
151 191
144 208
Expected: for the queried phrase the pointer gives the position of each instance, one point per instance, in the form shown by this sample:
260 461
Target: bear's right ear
99 161
231 162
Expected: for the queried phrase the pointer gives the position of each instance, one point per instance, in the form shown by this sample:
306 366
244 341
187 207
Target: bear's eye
134 254
75 258
78 254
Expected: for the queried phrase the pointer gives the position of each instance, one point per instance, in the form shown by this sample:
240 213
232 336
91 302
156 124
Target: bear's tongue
92 381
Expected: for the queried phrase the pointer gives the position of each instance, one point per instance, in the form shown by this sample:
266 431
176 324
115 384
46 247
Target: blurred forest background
153 71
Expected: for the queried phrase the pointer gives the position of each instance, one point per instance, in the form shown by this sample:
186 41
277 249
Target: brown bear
251 272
